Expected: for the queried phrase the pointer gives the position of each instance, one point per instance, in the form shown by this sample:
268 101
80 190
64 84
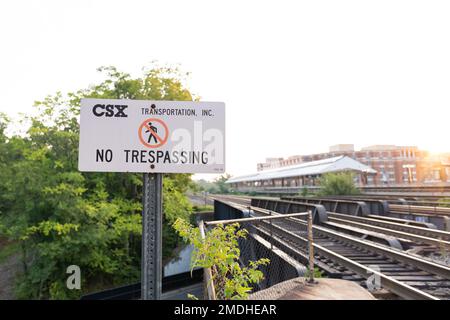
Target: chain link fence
255 246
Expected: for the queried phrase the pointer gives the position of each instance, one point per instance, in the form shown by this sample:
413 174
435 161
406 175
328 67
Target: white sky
296 76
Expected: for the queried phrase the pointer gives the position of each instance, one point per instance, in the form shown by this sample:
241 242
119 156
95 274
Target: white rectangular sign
152 136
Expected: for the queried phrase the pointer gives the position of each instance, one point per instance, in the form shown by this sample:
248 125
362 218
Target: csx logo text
109 110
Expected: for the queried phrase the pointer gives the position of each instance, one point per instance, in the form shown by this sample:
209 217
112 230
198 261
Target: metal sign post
151 276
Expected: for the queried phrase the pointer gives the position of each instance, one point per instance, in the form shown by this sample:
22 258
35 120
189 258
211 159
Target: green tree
304 192
208 186
219 185
445 202
61 216
222 186
338 184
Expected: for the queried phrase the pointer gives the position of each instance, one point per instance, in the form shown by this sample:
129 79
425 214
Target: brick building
395 165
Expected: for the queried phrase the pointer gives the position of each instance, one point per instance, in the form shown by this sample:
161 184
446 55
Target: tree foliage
217 186
338 184
445 202
61 216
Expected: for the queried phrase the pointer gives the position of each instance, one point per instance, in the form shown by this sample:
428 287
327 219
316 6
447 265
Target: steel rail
427 232
432 211
366 234
396 233
227 198
403 221
290 215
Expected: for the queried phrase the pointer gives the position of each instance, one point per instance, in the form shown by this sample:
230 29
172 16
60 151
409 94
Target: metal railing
213 288
210 291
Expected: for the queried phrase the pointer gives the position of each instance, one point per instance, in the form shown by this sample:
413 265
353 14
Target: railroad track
393 226
353 259
410 190
242 200
350 258
399 233
392 198
419 210
424 235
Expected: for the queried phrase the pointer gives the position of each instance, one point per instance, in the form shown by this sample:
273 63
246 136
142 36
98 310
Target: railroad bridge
403 243
395 246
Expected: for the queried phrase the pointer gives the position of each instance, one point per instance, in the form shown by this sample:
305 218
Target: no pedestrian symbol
153 133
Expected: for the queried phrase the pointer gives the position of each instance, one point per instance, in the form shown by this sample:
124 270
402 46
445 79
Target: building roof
341 163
